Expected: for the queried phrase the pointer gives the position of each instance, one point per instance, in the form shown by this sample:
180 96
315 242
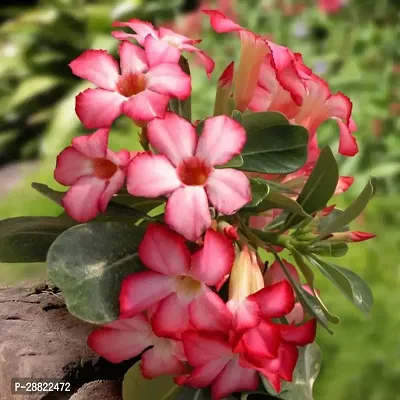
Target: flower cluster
211 314
197 337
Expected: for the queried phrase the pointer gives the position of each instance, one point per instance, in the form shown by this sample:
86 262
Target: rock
39 338
99 390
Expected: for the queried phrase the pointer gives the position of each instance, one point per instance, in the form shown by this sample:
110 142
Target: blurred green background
356 49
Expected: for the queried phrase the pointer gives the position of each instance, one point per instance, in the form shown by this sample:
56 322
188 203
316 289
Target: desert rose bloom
184 170
166 43
178 282
331 6
142 90
253 50
123 339
93 171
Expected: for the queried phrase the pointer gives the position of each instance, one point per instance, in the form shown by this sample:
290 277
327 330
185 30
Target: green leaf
53 195
237 116
330 249
142 204
27 239
259 190
273 145
235 162
324 222
88 263
319 187
135 387
277 200
351 212
349 283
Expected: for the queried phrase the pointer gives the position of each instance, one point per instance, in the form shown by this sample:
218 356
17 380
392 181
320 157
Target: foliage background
356 50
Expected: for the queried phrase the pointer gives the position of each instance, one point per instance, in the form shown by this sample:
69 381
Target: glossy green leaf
325 221
235 162
273 145
142 204
350 284
330 249
27 239
351 212
277 200
259 191
319 187
88 263
135 387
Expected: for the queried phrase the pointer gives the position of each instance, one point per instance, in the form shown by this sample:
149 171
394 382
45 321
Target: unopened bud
228 230
222 98
354 236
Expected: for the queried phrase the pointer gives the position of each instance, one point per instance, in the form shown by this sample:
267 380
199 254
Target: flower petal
203 348
187 211
211 263
93 146
114 340
71 165
151 175
276 274
275 301
142 29
160 51
344 184
207 62
82 200
220 23
339 106
140 290
204 375
222 139
171 317
228 190
234 378
164 251
288 355
98 67
132 58
169 79
114 185
262 341
146 106
246 314
296 316
173 136
98 108
157 362
347 142
299 335
209 304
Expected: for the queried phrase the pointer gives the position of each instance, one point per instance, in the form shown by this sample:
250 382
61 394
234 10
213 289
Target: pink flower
353 236
142 91
253 50
166 42
184 170
93 171
178 282
126 338
216 365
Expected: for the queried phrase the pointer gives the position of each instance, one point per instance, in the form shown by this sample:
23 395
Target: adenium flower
168 43
353 236
178 282
125 338
184 170
94 172
142 90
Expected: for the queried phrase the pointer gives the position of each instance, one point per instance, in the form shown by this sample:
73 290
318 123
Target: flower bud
228 230
354 236
222 106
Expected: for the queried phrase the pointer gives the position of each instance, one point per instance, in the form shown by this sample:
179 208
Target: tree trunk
40 339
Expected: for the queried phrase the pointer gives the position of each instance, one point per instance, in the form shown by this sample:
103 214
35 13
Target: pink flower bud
354 236
228 230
